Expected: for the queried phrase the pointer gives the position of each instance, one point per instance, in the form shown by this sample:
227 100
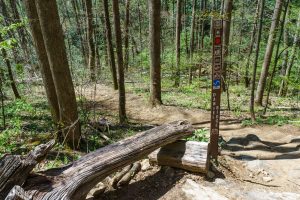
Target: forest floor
258 162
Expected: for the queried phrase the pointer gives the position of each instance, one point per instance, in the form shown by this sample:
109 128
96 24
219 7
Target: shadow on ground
151 187
251 147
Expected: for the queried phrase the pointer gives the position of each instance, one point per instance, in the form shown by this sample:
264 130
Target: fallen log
187 155
14 170
74 181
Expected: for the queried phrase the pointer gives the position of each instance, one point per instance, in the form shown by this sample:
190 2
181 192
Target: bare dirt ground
258 162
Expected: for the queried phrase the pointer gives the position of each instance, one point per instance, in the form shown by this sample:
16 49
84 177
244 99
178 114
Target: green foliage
271 120
200 135
7 142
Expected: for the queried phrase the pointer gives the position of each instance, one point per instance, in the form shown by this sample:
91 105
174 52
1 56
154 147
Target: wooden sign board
217 61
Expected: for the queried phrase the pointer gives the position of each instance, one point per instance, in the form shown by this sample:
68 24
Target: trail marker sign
217 61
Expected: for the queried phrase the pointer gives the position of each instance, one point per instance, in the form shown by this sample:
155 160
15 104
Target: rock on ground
264 195
194 191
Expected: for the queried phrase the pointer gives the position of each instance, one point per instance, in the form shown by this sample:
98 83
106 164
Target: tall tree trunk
79 30
7 22
268 54
57 56
126 35
192 41
154 35
90 38
118 36
252 41
226 37
277 55
177 51
10 73
109 44
284 82
286 45
258 39
185 28
202 23
43 58
21 30
140 25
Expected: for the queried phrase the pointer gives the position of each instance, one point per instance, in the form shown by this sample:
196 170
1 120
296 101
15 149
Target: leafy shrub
200 135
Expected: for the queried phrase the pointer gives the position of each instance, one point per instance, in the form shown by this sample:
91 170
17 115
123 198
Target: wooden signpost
213 150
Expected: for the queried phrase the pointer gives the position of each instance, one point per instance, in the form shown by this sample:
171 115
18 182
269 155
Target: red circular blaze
218 40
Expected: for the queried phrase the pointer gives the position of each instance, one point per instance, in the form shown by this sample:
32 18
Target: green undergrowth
278 120
200 135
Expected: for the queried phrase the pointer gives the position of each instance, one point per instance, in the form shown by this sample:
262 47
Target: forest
116 99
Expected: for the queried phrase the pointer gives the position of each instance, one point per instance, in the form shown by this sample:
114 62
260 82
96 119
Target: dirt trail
138 110
268 156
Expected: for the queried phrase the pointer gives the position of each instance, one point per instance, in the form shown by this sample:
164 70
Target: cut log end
187 155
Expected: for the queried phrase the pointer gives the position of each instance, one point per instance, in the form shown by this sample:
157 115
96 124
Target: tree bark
21 30
252 42
258 39
14 170
10 73
226 38
43 58
79 30
268 53
121 81
284 83
286 46
126 34
192 40
57 56
154 35
74 181
277 55
177 51
90 38
109 44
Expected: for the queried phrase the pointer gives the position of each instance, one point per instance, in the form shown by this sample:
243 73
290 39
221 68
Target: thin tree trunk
277 55
4 53
247 78
284 82
286 45
126 35
118 36
21 30
226 38
10 73
202 24
268 53
90 38
110 49
2 101
192 41
79 31
177 51
154 35
140 25
57 56
258 39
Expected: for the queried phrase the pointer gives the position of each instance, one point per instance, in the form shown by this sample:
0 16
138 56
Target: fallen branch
14 170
